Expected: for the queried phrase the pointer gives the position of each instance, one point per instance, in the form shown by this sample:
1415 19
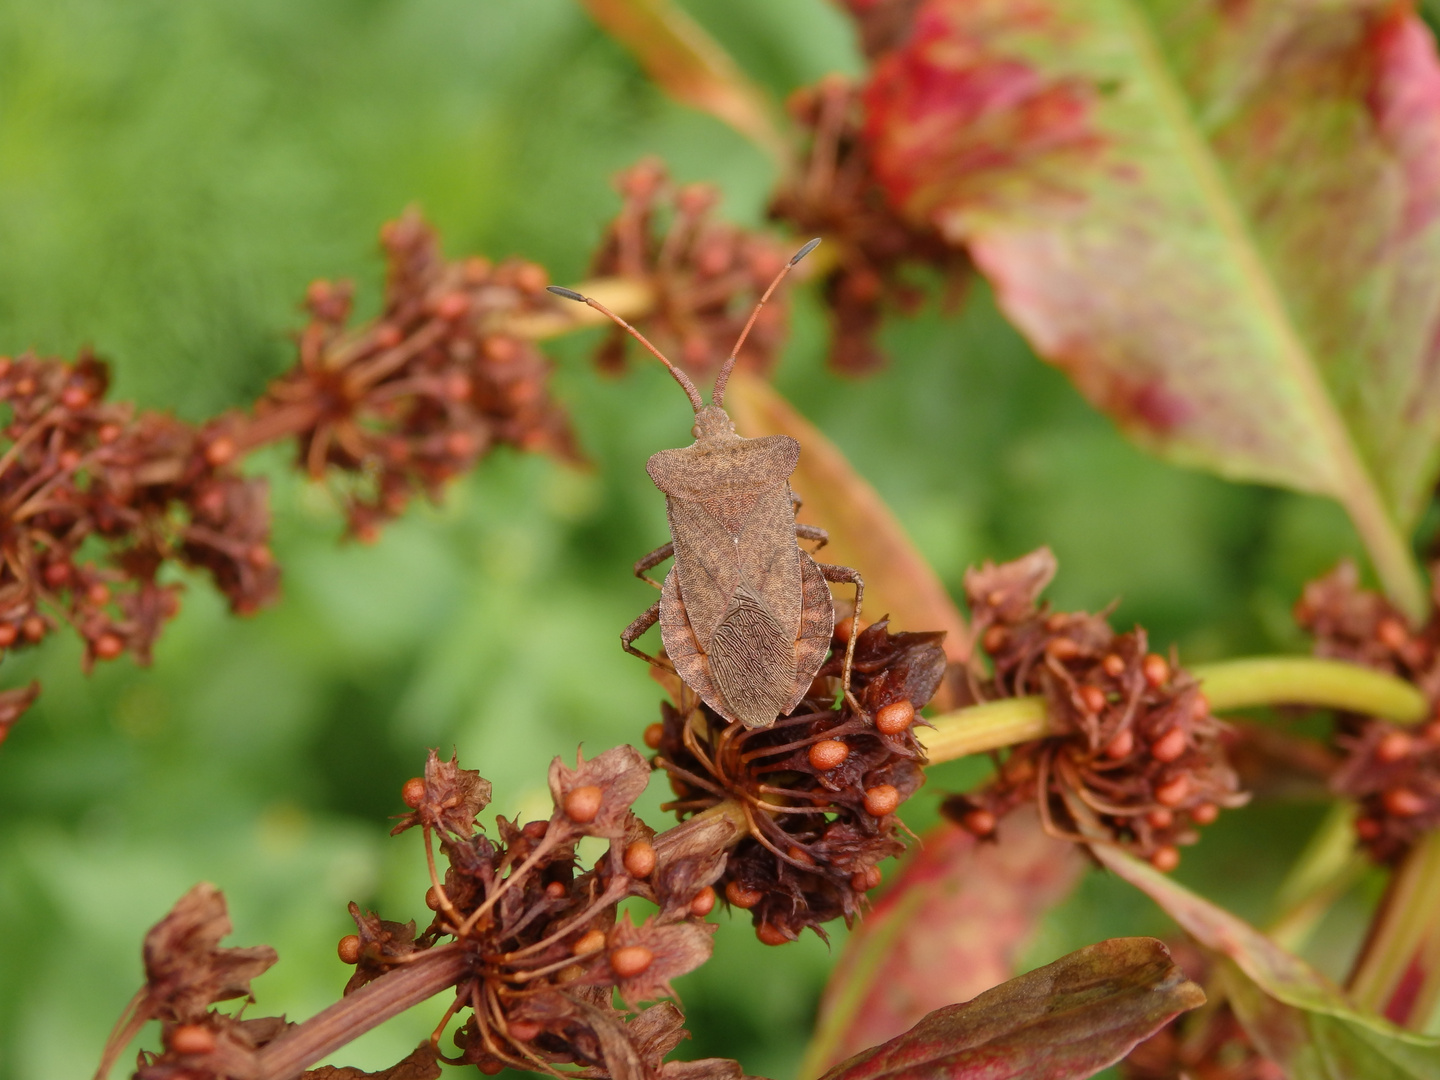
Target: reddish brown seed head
881 800
524 1030
653 734
1173 792
1156 670
631 960
978 822
640 858
704 902
1113 665
1121 745
191 1039
771 934
827 753
1166 858
1062 648
1169 747
1394 746
220 451
349 949
1402 802
1205 813
995 638
582 805
742 897
589 942
1391 633
895 717
412 792
865 880
108 646
1093 698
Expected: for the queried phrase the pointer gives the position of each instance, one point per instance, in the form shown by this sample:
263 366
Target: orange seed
1113 665
1166 858
1156 670
1394 746
895 717
653 734
588 942
1093 698
881 800
979 822
582 805
640 858
704 902
631 960
412 792
191 1039
349 949
827 753
995 638
1173 792
1402 802
1169 747
1121 745
742 897
1205 813
524 1030
771 934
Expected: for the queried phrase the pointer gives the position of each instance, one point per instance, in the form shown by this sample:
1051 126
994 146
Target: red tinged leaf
1067 1019
1157 191
951 926
1295 1015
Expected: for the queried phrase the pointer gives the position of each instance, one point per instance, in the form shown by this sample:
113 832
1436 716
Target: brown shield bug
745 613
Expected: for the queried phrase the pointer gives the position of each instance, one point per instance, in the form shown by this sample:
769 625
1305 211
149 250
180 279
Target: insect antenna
717 395
680 376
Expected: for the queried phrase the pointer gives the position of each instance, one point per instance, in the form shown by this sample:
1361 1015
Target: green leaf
1222 220
1067 1019
1294 1014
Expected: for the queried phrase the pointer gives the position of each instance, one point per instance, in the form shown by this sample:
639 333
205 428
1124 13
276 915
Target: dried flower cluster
1392 771
705 275
1139 760
835 195
416 396
818 790
530 943
96 500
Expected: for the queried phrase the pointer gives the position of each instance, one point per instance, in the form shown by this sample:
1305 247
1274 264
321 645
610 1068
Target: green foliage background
171 178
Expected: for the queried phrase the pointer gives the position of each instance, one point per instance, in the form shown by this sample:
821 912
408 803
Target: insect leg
812 532
649 562
845 575
648 618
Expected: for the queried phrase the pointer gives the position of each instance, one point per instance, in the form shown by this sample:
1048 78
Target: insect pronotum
745 613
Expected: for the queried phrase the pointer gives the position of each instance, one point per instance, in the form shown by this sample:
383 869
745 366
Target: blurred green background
171 177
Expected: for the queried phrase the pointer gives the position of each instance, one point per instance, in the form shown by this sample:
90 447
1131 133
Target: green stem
1229 684
1398 974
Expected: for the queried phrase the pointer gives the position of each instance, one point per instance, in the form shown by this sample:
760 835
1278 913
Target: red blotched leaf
1294 1014
1067 1019
1221 219
949 927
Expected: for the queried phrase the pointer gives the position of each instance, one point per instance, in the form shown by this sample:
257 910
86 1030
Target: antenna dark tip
568 294
811 246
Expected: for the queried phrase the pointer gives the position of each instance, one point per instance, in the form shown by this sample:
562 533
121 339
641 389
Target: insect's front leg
844 575
631 634
654 559
812 532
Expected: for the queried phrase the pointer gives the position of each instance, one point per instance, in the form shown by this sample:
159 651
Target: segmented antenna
717 395
680 376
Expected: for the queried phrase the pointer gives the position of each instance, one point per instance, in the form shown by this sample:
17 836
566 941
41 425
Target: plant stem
1398 973
350 1017
1327 867
1229 684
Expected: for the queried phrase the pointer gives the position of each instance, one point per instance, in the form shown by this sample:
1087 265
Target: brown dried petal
421 1064
678 948
620 773
687 858
185 971
383 944
453 798
13 704
1007 593
704 1069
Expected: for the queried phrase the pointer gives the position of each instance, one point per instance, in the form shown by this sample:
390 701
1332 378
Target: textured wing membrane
706 563
817 626
752 660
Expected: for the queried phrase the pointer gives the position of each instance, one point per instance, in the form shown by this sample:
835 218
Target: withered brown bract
745 614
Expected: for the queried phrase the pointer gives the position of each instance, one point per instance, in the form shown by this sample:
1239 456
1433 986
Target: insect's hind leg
844 575
649 562
648 618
